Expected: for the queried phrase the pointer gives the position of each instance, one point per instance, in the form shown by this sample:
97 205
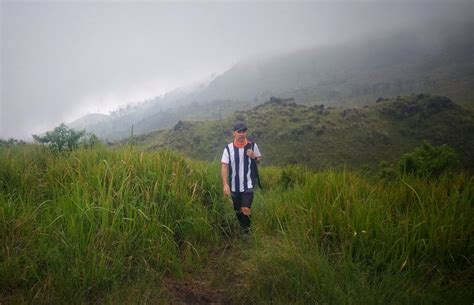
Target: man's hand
250 153
226 189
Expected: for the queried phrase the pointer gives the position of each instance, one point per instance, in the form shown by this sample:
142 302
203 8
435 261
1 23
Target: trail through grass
125 226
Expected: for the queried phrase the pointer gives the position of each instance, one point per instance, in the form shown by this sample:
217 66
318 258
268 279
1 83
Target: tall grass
107 225
75 225
335 237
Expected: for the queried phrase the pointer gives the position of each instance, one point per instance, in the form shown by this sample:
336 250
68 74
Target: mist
62 60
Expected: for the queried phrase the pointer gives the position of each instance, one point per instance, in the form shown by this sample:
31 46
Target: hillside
88 120
318 136
436 60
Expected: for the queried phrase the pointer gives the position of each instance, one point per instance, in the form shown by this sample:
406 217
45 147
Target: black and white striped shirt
241 175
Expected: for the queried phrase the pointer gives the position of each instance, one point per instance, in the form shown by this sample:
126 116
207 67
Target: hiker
240 178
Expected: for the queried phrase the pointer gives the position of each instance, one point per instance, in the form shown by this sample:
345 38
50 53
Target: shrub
428 160
366 171
90 140
61 138
386 172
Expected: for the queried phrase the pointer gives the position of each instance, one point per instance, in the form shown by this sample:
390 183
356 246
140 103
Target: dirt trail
213 284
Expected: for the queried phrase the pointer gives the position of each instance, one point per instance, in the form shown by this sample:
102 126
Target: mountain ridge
320 136
437 61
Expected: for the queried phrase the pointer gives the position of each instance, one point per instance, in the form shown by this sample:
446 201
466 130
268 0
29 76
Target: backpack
254 168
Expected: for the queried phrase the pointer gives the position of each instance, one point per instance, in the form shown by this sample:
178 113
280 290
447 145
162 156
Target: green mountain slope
317 136
437 60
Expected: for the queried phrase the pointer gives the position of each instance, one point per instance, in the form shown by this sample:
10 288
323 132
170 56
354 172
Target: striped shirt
241 176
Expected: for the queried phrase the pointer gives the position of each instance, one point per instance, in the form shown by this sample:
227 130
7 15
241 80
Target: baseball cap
238 126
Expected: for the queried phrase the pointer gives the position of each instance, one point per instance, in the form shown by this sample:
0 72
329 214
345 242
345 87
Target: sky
63 59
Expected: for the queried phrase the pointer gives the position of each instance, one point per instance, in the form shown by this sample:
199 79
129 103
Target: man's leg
237 201
247 199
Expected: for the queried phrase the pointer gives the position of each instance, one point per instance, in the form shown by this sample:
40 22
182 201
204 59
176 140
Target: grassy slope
311 135
125 226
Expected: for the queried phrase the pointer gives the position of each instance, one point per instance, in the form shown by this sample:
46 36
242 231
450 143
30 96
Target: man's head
240 131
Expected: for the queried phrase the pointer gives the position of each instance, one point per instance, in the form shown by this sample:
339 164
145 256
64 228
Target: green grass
75 225
106 226
335 237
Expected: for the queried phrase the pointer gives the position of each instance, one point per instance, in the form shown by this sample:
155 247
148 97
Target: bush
89 140
386 172
61 138
428 160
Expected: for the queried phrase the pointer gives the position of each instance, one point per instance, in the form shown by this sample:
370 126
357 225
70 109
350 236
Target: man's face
240 135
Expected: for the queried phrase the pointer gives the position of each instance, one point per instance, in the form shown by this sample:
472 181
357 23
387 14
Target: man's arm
225 177
255 154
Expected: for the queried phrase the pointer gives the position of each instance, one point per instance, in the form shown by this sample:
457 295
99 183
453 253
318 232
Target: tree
89 140
62 138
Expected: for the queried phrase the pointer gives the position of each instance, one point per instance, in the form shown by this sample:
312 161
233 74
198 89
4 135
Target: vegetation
74 226
11 142
429 160
319 136
338 238
118 226
63 138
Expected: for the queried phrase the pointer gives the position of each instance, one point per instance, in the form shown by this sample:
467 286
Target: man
239 173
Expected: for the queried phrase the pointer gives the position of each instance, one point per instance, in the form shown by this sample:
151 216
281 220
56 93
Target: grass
108 226
339 238
75 225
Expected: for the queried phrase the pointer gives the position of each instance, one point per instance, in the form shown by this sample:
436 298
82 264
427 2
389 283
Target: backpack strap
230 167
255 169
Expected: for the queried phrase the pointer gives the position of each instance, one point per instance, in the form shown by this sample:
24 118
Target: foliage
428 160
62 138
90 140
11 142
386 172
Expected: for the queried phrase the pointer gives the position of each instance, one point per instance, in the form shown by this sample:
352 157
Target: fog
61 60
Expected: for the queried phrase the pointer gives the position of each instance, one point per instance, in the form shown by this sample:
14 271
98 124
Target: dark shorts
242 199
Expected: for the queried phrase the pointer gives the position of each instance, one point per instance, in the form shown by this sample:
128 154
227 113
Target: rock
281 101
182 126
317 108
437 104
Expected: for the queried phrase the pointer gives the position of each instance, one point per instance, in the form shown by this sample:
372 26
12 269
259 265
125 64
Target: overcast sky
60 60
